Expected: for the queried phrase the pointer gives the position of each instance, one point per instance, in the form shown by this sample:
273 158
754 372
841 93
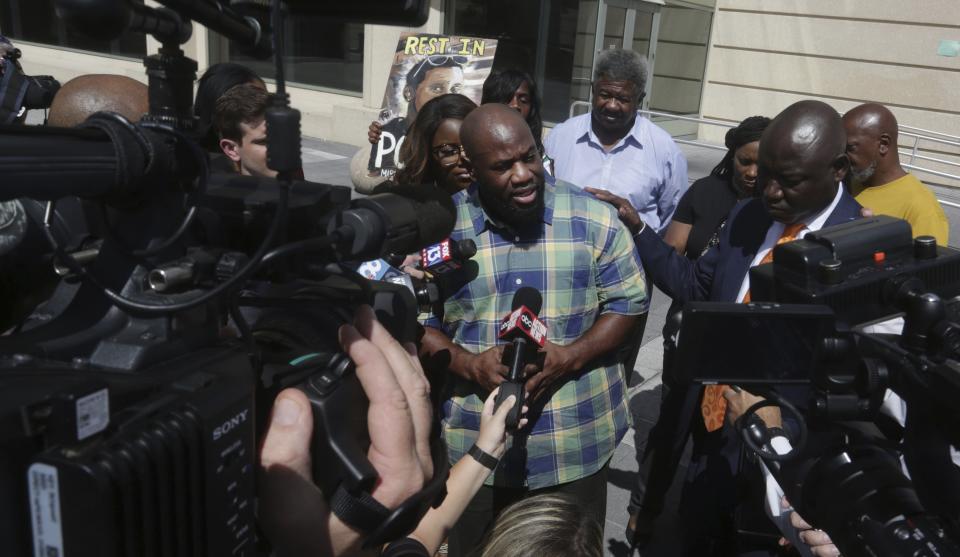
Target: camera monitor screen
757 343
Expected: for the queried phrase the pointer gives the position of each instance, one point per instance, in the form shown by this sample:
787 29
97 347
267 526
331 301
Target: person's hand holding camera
292 510
740 400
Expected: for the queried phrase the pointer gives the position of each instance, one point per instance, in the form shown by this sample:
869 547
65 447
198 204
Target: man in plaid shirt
574 250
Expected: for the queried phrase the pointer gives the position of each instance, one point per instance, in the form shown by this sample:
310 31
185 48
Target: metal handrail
575 104
923 131
689 118
934 172
933 159
696 143
914 155
931 138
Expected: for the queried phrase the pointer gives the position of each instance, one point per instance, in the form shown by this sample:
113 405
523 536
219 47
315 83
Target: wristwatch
483 457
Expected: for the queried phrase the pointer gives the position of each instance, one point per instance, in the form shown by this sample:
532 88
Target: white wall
767 54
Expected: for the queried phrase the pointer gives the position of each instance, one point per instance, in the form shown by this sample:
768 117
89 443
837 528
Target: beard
508 213
861 176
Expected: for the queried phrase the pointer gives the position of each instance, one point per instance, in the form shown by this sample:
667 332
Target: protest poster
426 66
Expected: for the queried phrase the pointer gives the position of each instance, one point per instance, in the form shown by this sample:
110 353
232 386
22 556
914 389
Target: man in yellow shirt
877 180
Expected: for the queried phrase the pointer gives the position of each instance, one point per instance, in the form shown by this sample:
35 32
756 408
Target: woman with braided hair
703 209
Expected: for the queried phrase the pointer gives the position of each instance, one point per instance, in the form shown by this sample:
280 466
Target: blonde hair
548 525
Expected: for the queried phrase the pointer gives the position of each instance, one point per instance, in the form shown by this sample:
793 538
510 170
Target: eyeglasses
448 154
437 61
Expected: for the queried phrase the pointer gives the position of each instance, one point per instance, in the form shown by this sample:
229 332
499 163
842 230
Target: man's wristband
643 226
483 457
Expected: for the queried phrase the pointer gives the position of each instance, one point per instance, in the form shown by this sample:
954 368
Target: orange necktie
714 406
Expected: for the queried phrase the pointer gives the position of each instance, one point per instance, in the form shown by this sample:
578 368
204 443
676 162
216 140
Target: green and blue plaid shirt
583 261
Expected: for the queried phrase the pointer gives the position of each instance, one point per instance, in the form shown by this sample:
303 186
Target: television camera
822 348
132 396
20 92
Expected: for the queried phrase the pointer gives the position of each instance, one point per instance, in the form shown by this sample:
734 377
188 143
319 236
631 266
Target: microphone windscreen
436 213
468 248
529 297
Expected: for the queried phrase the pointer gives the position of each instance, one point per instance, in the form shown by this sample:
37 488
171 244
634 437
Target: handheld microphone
374 269
425 292
526 334
448 255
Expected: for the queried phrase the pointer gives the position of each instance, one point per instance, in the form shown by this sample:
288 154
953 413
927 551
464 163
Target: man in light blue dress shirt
614 149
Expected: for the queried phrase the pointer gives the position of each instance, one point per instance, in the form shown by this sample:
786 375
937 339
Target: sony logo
229 425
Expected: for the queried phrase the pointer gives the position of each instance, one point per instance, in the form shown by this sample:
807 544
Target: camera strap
13 88
381 525
361 512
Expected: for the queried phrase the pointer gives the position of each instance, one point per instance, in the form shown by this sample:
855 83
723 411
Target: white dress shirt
645 166
812 223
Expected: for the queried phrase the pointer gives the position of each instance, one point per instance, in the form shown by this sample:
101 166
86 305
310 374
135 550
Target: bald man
576 253
85 95
879 182
801 166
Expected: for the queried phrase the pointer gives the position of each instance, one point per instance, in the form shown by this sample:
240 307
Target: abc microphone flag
523 321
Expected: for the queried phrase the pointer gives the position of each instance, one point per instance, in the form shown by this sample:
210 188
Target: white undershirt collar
812 223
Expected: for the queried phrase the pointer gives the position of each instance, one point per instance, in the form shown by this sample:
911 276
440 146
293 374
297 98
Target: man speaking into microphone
575 252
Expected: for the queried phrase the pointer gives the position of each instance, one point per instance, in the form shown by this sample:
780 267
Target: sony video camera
20 92
130 399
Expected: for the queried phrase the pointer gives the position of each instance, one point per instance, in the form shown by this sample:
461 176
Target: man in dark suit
802 164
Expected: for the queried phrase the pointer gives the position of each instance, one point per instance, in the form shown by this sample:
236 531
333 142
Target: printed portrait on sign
426 66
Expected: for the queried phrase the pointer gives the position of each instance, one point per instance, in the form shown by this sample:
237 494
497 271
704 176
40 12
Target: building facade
718 59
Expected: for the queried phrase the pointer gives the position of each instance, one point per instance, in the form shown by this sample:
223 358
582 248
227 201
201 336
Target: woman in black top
703 209
695 228
516 89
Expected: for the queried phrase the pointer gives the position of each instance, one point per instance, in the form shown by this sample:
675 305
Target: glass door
629 24
676 86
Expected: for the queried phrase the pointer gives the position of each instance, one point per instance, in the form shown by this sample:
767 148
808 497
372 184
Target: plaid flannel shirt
583 261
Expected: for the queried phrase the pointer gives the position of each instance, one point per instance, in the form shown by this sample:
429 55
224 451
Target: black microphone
402 221
108 19
526 334
448 255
